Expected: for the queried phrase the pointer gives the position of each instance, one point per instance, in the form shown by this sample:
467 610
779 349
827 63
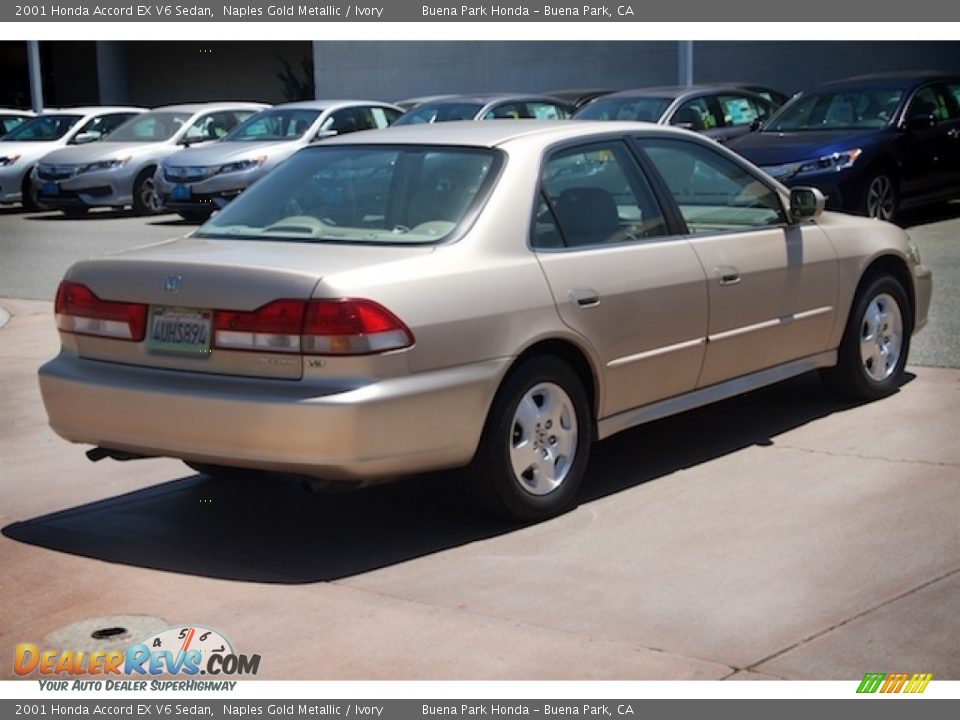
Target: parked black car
721 112
873 144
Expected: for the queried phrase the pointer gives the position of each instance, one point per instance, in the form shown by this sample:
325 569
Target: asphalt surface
777 535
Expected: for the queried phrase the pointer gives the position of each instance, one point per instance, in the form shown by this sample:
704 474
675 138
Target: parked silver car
196 181
492 296
119 172
25 145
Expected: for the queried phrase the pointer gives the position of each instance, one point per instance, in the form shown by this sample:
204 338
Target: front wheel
875 344
535 445
881 197
28 194
146 201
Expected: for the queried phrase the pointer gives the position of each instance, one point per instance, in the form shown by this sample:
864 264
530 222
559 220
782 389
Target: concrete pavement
781 534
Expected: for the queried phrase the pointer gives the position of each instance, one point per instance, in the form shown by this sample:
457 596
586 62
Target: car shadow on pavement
269 530
940 212
98 214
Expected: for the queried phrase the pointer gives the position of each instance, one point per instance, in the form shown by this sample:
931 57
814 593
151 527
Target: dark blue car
873 145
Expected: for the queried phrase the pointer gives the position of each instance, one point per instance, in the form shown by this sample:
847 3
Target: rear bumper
379 429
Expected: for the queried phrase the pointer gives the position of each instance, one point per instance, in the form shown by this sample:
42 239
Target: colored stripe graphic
894 682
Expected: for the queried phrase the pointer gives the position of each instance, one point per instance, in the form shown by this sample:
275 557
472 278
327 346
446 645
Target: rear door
635 291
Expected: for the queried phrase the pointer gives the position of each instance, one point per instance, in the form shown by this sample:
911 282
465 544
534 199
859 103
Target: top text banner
507 11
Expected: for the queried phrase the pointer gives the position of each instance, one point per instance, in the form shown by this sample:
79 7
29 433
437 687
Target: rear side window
714 193
696 115
595 195
545 111
740 110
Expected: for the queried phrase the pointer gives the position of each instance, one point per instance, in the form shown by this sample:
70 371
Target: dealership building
151 73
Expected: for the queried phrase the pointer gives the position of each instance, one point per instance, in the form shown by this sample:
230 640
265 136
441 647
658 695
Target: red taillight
315 327
79 310
352 327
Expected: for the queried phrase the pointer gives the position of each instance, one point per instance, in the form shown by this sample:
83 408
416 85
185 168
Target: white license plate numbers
179 330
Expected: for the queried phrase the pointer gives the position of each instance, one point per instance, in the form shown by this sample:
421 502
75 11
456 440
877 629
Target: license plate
50 188
179 330
180 192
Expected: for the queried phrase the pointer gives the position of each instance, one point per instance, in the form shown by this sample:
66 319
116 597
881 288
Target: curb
4 317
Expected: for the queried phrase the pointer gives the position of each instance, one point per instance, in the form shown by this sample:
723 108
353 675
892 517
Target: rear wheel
145 198
881 197
535 444
875 344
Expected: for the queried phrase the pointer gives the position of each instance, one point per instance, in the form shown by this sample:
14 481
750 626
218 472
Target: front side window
44 128
929 103
714 193
215 125
595 195
346 194
506 111
155 126
696 115
545 111
102 125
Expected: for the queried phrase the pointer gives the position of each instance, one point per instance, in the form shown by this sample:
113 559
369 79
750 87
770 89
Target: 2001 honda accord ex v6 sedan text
494 296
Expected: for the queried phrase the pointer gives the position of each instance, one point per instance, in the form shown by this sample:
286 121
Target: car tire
195 215
28 194
881 196
535 444
875 343
222 472
146 201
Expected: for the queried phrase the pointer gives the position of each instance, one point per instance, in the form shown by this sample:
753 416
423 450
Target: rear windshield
646 109
361 194
44 128
440 112
846 109
283 124
153 126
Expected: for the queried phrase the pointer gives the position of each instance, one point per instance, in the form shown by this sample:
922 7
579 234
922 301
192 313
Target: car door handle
728 274
585 297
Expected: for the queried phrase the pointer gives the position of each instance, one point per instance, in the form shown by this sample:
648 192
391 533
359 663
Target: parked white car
54 129
12 119
196 181
119 172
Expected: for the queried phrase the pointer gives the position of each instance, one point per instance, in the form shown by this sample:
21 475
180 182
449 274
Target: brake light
352 327
315 327
78 310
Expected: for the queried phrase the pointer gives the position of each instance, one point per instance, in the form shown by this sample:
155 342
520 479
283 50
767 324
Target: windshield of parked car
440 112
846 109
44 128
282 124
647 109
361 194
155 126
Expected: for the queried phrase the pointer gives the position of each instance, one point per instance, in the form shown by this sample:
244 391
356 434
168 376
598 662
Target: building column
685 62
36 78
112 73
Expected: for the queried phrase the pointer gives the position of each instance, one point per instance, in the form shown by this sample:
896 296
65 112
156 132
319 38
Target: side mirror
756 124
806 203
324 134
85 137
920 121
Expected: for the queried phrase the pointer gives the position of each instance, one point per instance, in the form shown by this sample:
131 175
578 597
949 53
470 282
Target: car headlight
8 160
104 164
248 164
834 162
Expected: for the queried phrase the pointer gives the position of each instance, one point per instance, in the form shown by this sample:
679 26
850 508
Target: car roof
494 133
903 79
201 107
89 110
324 104
486 98
676 91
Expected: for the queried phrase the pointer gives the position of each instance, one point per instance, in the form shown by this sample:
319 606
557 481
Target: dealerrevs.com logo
894 683
182 651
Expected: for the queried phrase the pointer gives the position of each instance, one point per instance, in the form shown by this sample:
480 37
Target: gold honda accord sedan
493 296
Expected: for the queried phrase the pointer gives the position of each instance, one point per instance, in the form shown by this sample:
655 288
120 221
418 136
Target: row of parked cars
873 145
